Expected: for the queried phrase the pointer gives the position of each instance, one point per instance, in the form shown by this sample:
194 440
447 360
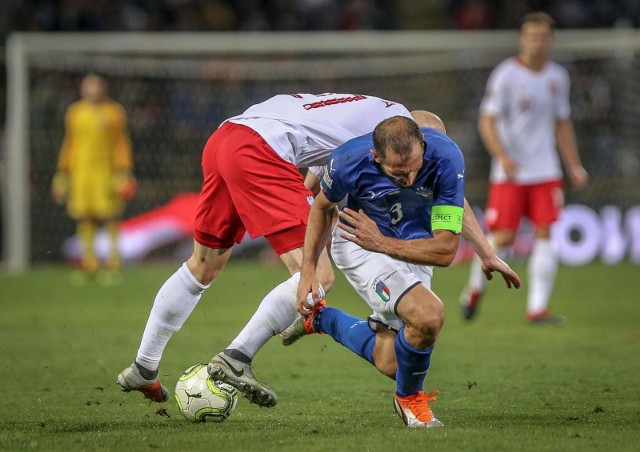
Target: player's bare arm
312 182
473 234
362 230
568 150
316 237
487 127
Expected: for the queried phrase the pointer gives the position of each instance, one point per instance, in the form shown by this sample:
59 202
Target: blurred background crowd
288 15
172 110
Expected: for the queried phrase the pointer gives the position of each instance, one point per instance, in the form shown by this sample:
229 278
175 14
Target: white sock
477 280
174 302
276 312
543 266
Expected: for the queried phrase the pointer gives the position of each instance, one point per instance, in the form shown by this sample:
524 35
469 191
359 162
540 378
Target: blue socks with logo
350 331
413 365
354 333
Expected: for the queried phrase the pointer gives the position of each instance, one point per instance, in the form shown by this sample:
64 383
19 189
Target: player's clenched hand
308 285
362 230
60 187
496 264
124 185
578 176
510 167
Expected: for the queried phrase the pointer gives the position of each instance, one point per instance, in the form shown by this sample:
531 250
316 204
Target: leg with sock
174 303
233 366
114 261
477 284
543 267
352 332
86 232
276 312
410 401
111 276
413 365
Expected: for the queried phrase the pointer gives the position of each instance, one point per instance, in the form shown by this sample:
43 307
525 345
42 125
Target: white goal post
398 56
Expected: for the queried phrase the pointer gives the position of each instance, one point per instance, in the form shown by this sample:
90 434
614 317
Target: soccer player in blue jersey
404 189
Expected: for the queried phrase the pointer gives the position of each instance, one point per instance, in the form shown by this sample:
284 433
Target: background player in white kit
524 117
252 182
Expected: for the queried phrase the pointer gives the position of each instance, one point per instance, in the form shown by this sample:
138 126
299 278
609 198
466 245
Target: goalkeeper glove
60 187
124 185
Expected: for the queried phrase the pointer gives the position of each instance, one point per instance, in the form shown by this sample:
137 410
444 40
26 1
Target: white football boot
131 380
240 375
414 410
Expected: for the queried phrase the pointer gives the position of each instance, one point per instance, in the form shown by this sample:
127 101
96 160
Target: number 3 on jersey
396 213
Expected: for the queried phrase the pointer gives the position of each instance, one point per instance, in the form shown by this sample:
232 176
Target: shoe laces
418 404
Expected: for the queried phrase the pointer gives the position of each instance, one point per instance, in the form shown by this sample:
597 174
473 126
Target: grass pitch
505 385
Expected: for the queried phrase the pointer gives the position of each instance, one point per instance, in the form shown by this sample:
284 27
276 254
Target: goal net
177 88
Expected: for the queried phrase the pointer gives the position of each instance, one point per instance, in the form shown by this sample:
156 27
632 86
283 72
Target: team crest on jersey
425 192
526 104
382 290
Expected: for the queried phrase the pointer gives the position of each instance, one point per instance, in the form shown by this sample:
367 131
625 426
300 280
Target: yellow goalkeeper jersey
96 147
95 137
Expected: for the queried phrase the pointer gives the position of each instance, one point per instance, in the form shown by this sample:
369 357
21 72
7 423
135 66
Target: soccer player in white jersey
524 124
252 183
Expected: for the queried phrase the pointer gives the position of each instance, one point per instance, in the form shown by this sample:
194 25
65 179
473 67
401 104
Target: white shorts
379 279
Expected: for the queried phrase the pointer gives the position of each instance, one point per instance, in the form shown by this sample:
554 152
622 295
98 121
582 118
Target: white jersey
304 128
526 105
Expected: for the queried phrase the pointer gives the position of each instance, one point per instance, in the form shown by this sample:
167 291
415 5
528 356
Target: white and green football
201 399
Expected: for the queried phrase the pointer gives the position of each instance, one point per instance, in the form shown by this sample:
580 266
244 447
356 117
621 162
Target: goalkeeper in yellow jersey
94 174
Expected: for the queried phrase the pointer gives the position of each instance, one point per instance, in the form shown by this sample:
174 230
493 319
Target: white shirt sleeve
564 105
495 100
317 170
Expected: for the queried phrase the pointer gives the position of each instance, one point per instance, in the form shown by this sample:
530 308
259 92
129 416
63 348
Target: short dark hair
539 17
397 134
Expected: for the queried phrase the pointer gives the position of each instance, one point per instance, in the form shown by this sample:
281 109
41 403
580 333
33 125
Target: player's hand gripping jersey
304 128
434 202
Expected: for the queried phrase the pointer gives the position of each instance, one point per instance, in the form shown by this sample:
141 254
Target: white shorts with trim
379 279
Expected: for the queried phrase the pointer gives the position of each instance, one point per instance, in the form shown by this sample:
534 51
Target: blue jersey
404 213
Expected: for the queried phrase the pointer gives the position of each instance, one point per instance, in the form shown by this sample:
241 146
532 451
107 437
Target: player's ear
376 158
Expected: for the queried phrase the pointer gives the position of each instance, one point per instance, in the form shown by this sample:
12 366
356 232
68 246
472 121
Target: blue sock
352 332
413 365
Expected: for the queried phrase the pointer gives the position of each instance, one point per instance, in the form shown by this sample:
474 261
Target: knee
426 328
504 238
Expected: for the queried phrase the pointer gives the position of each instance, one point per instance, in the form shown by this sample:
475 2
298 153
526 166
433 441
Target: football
200 399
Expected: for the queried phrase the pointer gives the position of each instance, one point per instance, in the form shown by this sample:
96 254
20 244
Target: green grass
505 385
